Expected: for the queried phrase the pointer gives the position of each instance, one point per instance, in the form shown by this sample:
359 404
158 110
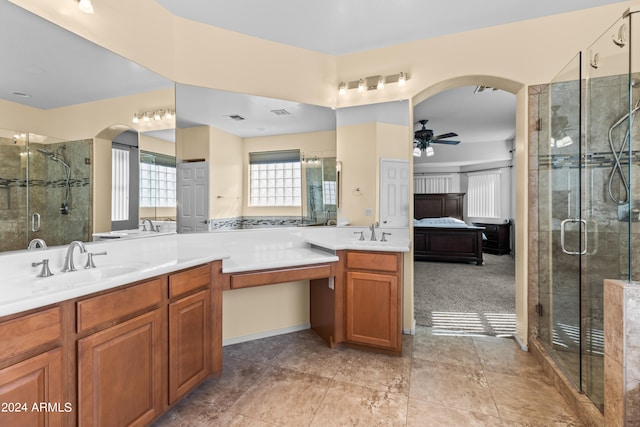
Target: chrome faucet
372 227
37 243
68 259
144 226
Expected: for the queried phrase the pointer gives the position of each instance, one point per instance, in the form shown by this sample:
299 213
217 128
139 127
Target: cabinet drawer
28 332
372 261
112 306
189 280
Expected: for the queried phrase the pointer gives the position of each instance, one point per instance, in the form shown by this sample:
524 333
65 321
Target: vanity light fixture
85 6
157 115
373 83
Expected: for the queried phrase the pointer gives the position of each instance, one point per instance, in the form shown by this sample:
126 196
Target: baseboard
520 343
266 334
411 331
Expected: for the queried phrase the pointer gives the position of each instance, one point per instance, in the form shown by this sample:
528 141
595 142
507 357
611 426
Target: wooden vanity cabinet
31 370
120 365
143 347
373 299
190 330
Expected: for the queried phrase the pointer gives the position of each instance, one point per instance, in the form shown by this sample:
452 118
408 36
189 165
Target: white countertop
130 260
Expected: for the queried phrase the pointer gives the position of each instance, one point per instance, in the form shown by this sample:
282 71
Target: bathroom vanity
140 339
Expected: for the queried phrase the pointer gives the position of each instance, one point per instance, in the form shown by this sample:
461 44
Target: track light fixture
373 83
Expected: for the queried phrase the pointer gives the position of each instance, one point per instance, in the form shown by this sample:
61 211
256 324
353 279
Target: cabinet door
35 381
189 343
119 373
372 309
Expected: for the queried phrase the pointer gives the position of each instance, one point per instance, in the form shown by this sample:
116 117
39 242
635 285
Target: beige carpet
466 298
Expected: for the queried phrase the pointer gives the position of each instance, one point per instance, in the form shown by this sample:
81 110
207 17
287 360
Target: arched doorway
521 181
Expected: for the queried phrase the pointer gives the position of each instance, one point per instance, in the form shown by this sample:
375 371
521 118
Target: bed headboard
438 205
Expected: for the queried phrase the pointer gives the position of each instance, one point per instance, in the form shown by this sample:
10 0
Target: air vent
236 117
280 112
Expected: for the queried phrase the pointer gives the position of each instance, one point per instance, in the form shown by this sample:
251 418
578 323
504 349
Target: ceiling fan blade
445 142
445 135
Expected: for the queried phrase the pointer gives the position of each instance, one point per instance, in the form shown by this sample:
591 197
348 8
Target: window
119 184
157 180
329 193
275 178
484 195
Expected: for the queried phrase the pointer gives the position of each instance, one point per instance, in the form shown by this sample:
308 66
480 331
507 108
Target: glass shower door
560 225
586 204
606 191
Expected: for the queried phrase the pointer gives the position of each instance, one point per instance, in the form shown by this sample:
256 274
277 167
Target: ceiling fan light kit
423 138
373 83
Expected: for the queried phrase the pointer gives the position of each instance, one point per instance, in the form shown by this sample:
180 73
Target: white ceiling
338 27
485 116
57 68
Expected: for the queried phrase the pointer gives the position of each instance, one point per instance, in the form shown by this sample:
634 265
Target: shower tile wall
13 233
47 192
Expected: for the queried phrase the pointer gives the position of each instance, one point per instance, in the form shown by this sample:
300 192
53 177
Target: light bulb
429 151
146 117
135 119
342 88
168 115
361 85
85 6
381 82
157 115
402 80
417 152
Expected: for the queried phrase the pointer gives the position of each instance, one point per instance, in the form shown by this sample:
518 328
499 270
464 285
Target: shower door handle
563 224
35 222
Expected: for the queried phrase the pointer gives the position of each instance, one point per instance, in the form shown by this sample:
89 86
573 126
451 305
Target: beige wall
226 174
261 309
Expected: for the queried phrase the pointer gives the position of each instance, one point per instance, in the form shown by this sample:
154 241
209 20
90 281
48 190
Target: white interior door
193 197
394 193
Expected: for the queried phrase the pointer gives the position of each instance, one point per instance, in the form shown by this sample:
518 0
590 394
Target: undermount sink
82 276
107 272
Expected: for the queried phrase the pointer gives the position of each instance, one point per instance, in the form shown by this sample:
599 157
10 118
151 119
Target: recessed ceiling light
21 94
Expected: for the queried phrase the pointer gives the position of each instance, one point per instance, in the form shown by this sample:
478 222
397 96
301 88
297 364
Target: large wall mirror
63 102
271 162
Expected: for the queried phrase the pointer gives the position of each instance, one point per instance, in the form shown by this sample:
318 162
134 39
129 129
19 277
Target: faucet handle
361 234
90 255
45 272
384 236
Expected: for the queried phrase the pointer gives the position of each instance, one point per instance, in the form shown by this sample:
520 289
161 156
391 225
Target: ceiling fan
424 137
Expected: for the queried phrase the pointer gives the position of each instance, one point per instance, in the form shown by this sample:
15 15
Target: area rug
466 298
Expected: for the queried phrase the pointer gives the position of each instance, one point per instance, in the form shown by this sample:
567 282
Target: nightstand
497 235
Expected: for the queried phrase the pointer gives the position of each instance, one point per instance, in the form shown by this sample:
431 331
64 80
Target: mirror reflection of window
275 178
157 180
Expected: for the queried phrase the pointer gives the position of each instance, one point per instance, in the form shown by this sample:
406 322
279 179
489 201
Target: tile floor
296 380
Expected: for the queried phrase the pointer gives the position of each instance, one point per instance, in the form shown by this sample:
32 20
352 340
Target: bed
439 234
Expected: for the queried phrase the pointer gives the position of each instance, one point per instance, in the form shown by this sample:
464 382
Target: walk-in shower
587 201
58 157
